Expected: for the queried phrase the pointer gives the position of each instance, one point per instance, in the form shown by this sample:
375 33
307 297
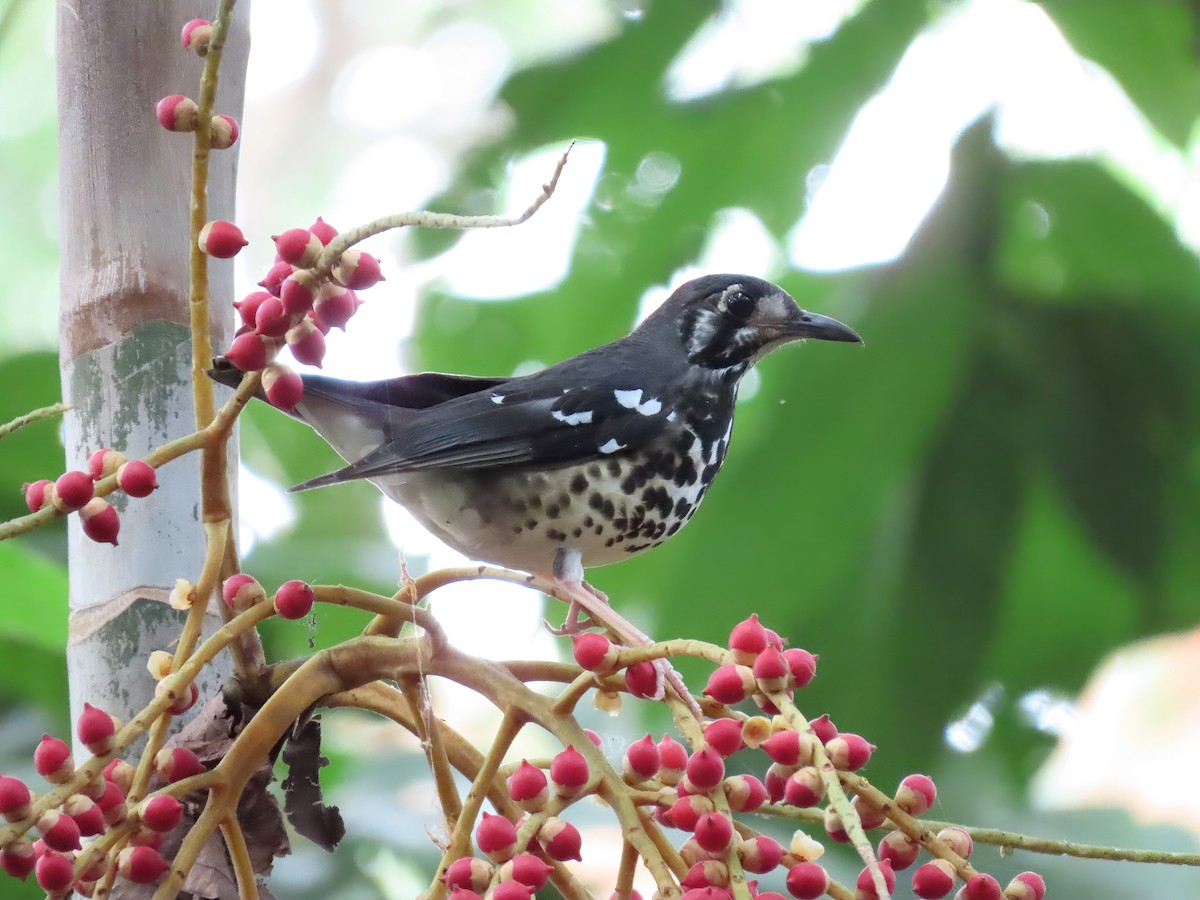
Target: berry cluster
180 113
690 790
75 491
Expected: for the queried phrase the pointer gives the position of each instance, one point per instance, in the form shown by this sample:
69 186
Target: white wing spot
583 417
671 417
629 399
611 445
497 399
650 408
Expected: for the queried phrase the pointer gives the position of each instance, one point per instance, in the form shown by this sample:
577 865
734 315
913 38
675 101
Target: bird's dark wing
532 420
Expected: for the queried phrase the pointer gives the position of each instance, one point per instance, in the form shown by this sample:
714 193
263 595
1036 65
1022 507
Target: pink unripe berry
642 760
641 679
760 854
835 827
137 478
1026 886
560 839
916 794
249 352
713 832
981 886
804 788
776 780
469 872
271 319
594 651
95 729
59 831
803 666
898 849
145 837
866 882
592 736
526 869
177 113
14 798
528 788
112 804
807 881
510 890
100 521
161 813
789 748
185 697
706 873
306 342
933 880
497 837
673 756
141 864
223 132
747 639
196 36
849 752
72 491
464 894
869 815
957 840
298 292
283 386
242 591
334 307
707 893
357 270
18 858
323 230
177 763
294 599
724 736
35 494
745 793
730 684
569 772
273 281
685 812
823 728
771 671
298 246
221 239
248 306
705 769
52 759
55 872
102 463
88 816
119 773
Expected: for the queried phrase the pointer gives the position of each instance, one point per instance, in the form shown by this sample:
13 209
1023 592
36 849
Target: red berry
196 36
177 113
776 780
760 854
641 679
705 769
933 880
526 869
14 798
789 748
52 759
284 388
177 763
357 270
560 839
916 794
674 757
298 246
323 230
804 788
849 752
185 698
823 728
250 352
248 306
294 599
72 491
161 813
706 873
569 772
771 671
35 494
869 815
957 840
748 639
528 788
221 239
242 591
834 827
271 319
510 890
592 736
141 864
713 832
866 883
223 132
724 736
807 881
306 342
730 684
102 463
497 837
981 887
469 872
898 849
685 812
273 280
137 478
17 859
95 729
642 760
745 793
803 666
59 831
594 651
88 816
100 521
55 872
298 292
120 773
1026 886
112 803
334 307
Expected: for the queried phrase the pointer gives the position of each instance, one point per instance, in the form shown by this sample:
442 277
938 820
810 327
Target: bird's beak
805 325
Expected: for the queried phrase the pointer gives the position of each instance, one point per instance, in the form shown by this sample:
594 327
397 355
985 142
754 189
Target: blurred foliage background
965 520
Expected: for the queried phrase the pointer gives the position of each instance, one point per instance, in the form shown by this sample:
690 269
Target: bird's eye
739 304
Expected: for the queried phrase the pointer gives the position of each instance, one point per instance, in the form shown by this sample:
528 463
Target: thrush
593 460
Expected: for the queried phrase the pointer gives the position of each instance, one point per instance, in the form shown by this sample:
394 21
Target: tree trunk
125 354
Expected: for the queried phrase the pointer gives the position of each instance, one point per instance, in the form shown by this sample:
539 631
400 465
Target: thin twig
45 412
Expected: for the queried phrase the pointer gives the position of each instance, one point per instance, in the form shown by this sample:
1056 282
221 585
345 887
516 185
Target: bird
593 460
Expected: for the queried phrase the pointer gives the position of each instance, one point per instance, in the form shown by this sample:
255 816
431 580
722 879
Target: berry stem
45 412
239 855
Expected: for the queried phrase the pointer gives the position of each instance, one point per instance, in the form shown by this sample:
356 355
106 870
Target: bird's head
733 321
